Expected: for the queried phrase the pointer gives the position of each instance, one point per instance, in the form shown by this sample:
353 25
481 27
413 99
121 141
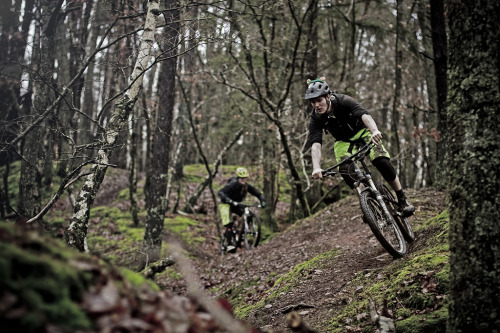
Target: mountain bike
378 204
246 229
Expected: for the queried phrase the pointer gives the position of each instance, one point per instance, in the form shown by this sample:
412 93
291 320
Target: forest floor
324 267
322 289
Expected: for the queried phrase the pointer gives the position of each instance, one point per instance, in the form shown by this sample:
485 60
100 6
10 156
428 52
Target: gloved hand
263 204
234 203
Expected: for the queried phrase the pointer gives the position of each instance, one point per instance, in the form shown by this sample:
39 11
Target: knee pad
384 166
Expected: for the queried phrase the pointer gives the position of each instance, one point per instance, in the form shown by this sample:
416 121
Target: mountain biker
352 127
231 195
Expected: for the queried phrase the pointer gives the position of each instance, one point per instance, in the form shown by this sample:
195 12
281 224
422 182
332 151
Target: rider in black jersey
352 127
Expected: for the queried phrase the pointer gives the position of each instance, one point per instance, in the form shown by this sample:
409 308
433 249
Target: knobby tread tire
403 222
373 212
254 242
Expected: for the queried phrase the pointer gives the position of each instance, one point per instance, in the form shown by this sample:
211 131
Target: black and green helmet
317 88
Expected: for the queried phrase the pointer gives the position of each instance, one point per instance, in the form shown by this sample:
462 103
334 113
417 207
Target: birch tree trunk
76 233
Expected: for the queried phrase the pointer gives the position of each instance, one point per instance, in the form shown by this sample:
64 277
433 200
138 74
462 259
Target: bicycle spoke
383 226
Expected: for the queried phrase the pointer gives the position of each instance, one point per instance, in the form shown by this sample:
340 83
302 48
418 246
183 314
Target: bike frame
246 214
364 177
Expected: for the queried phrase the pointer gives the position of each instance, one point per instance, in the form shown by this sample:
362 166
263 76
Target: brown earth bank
321 291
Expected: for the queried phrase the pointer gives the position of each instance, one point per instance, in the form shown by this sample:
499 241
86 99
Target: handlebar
360 154
244 205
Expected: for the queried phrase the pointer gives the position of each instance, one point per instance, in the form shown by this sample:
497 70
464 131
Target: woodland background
153 86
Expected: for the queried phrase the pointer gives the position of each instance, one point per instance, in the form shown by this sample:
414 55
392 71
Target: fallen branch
158 267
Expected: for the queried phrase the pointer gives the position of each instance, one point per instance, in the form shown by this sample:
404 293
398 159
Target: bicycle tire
403 222
388 234
251 237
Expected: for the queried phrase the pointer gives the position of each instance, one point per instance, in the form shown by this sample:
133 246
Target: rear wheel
383 227
251 232
403 222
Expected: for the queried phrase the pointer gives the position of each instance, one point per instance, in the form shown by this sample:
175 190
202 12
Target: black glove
263 204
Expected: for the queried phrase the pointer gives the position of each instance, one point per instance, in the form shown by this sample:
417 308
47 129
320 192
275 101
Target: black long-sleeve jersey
343 123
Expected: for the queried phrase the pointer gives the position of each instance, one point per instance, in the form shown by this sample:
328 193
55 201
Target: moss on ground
44 282
35 277
186 228
283 284
415 287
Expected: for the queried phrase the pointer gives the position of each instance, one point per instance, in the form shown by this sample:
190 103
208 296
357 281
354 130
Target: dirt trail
339 226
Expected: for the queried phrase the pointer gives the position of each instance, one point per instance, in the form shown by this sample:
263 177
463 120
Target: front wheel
403 222
383 227
250 233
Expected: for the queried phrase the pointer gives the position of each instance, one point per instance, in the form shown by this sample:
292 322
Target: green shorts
344 149
225 214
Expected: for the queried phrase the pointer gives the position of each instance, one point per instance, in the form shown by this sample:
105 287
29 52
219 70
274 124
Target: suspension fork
367 178
245 219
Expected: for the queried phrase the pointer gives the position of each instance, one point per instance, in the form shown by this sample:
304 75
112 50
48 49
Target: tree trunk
397 91
31 168
269 178
473 164
76 233
12 47
440 48
132 179
156 201
86 125
429 118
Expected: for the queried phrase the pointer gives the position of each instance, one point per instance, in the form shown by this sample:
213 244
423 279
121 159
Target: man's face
243 180
319 104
